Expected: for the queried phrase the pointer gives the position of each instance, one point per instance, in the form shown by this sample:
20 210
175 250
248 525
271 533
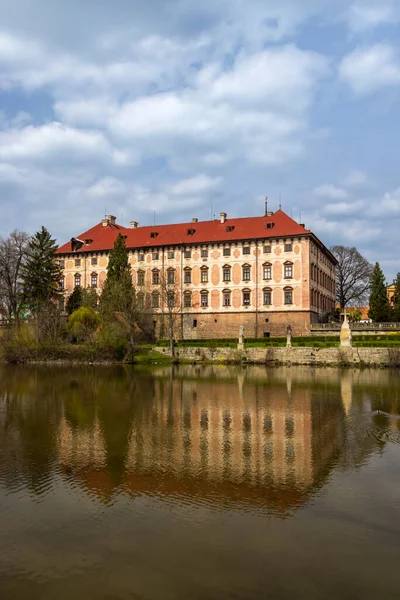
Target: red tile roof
202 232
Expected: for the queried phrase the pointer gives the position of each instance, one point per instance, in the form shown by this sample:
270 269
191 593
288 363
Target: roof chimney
133 224
109 220
222 217
266 206
195 220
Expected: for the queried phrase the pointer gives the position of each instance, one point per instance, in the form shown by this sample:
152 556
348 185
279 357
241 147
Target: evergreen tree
75 300
379 308
41 273
117 293
396 309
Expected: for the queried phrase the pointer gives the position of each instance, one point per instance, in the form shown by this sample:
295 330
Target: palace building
264 273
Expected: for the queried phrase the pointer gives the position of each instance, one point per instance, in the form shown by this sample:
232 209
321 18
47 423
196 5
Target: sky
171 109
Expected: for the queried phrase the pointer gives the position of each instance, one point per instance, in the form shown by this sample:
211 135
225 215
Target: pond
207 482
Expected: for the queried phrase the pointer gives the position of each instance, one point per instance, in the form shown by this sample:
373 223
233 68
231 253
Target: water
199 483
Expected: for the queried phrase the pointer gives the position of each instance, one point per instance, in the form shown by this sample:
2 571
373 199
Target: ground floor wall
357 357
199 325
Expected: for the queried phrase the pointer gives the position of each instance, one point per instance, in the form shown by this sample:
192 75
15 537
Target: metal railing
356 326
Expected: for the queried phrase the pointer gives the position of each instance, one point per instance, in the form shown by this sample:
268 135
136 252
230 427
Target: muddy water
199 483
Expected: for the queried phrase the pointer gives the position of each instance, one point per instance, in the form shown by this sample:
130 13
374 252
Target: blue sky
184 107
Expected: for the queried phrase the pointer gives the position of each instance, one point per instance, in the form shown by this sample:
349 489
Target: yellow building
391 292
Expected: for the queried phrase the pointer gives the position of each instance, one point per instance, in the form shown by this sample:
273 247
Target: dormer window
153 234
191 231
230 228
269 225
88 242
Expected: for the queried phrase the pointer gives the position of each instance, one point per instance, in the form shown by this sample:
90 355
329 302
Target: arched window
171 276
204 298
246 297
187 275
226 295
267 296
93 280
170 299
226 273
288 270
140 300
246 270
187 299
267 271
204 274
288 295
140 277
155 276
77 280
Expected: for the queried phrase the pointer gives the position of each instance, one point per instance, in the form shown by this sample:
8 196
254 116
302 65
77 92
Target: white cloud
195 185
367 15
368 69
356 179
330 191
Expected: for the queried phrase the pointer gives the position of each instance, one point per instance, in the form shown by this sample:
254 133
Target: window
267 272
155 300
188 276
246 298
140 300
77 262
194 322
204 253
170 300
187 300
156 277
155 256
153 234
227 252
204 275
77 280
288 247
62 264
141 256
226 273
230 228
140 278
227 298
288 296
288 270
267 249
246 249
61 283
93 280
171 276
246 273
171 254
94 260
267 293
188 254
204 299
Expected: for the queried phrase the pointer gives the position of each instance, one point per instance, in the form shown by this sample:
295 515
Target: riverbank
307 356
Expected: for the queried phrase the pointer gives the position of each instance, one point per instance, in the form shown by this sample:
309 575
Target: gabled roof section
275 225
103 238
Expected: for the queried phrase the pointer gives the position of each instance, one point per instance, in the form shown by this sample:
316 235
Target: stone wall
358 357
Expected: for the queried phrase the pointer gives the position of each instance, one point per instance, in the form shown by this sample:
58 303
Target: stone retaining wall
359 357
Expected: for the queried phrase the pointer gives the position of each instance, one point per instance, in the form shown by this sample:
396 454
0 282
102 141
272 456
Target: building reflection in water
244 438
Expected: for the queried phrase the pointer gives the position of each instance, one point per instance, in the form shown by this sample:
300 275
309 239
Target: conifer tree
75 300
41 273
117 295
379 308
396 309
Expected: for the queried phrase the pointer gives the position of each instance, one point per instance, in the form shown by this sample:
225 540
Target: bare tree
13 251
170 304
353 276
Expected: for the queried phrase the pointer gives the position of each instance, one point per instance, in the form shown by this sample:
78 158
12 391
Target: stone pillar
289 336
240 345
346 340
